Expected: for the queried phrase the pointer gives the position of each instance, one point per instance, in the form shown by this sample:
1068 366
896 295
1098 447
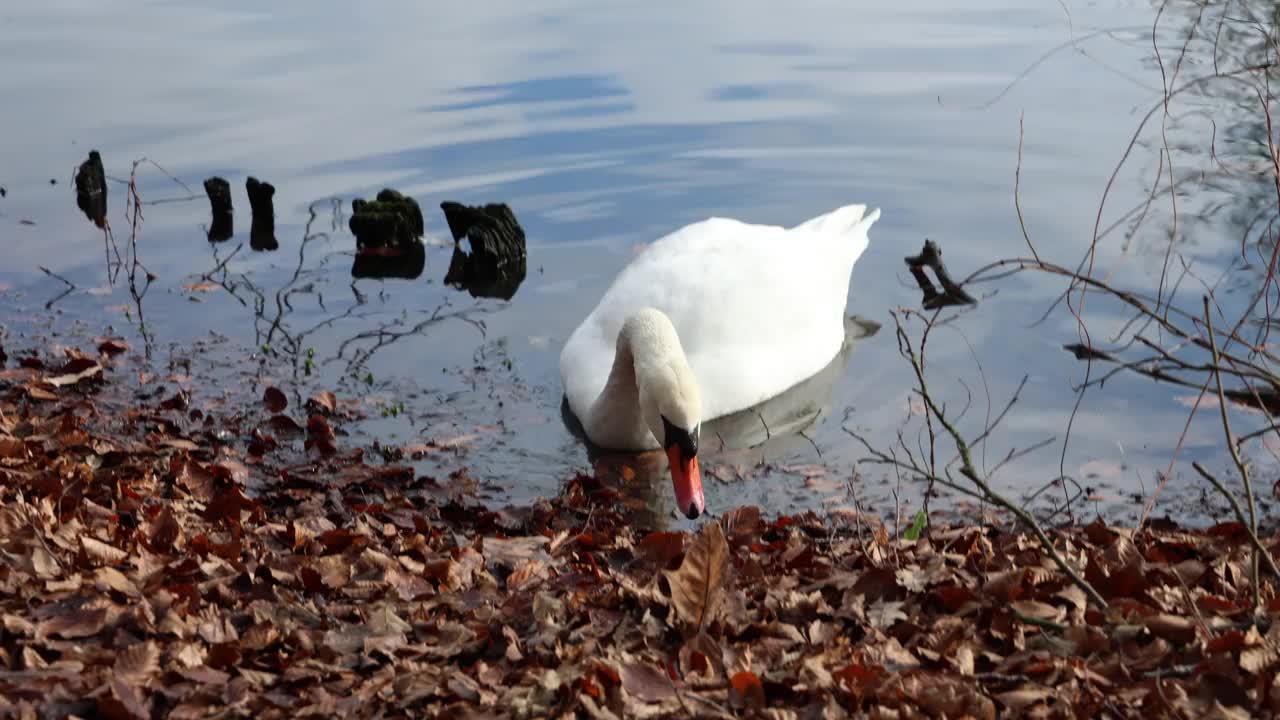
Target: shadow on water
769 429
404 263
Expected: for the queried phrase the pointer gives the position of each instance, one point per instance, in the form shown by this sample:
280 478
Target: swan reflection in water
769 429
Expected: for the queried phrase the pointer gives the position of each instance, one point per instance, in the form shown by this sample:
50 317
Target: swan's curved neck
617 415
650 375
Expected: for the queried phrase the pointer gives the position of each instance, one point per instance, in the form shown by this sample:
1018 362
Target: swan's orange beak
688 482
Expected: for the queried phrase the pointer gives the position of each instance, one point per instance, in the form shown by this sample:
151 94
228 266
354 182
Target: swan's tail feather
843 232
842 221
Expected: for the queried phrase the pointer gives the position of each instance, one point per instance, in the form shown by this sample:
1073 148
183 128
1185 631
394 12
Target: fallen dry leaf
44 563
74 378
698 584
527 574
12 448
509 552
128 699
101 552
746 690
646 682
1263 652
324 401
164 531
662 547
112 346
109 578
1175 628
1019 700
74 624
884 615
274 400
137 663
1036 610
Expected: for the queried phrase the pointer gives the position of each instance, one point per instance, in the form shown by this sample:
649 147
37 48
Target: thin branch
1017 183
968 470
1258 551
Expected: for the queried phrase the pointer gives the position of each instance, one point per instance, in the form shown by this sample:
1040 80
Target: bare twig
970 472
1235 456
1017 184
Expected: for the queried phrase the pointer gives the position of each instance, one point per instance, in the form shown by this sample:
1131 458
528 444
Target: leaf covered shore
158 560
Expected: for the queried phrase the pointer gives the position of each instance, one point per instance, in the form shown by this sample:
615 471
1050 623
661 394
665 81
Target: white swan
714 318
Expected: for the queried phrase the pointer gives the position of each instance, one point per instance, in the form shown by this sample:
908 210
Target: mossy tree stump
389 220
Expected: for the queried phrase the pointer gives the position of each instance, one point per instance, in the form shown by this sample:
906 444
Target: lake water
603 126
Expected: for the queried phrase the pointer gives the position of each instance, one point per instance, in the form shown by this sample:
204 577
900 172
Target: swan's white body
756 308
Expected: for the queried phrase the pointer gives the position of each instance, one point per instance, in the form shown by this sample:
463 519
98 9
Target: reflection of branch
71 287
273 328
222 264
387 334
108 247
270 328
285 290
133 213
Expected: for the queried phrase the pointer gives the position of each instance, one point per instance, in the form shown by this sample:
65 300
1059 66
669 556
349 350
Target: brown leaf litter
149 569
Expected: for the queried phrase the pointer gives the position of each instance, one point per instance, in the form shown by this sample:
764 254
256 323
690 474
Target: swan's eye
676 435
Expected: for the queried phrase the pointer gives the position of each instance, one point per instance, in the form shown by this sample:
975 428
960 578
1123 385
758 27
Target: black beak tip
692 513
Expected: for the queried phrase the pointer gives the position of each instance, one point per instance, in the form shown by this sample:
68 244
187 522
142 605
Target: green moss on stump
390 219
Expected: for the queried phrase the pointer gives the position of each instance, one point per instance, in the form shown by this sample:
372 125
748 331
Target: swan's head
670 402
672 417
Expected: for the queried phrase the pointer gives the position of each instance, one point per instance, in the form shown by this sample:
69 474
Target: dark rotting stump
222 225
91 189
389 220
498 260
262 233
951 293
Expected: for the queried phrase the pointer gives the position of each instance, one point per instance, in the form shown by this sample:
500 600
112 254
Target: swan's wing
758 308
